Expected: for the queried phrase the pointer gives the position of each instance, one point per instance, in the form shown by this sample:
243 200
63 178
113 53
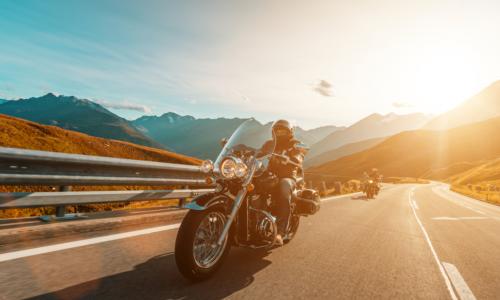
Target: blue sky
328 63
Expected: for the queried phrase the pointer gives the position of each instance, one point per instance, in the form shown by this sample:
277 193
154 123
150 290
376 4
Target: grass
403 180
478 192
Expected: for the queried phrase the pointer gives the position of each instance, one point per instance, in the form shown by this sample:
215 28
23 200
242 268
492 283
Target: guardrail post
182 201
61 209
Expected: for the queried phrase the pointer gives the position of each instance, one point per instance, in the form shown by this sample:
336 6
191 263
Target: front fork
240 197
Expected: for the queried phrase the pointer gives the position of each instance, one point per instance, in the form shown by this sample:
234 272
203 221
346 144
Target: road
412 242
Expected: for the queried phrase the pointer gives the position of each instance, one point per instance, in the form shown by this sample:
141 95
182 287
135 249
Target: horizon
116 111
208 60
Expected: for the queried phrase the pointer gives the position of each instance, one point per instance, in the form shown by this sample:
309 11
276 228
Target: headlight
228 168
370 181
207 166
240 170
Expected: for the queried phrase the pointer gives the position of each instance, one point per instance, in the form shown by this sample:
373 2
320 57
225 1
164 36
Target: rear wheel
197 254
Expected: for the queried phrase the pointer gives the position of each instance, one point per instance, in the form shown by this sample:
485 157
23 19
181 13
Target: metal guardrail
42 168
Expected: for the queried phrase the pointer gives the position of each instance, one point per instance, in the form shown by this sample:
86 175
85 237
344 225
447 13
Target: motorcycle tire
294 227
185 256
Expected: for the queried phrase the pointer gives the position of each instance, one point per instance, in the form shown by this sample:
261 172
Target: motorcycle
371 189
240 210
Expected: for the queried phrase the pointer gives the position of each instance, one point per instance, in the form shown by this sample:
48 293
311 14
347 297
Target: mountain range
81 115
200 137
418 153
373 126
484 105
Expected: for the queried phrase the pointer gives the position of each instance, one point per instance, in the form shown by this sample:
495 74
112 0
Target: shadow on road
361 197
158 278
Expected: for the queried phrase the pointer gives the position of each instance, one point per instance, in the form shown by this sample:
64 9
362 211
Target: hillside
484 173
373 126
416 153
20 133
485 105
340 152
76 114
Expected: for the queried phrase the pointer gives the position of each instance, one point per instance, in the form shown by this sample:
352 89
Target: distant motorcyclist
373 174
284 144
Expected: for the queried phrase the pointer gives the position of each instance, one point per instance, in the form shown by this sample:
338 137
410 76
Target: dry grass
402 180
478 192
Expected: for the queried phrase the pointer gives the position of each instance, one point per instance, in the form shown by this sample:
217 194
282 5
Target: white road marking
414 203
458 281
434 254
458 218
452 197
81 243
445 218
19 223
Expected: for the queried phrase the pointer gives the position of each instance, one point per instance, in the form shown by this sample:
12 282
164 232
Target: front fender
205 201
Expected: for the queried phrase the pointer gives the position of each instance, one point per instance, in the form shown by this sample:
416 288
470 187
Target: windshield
246 140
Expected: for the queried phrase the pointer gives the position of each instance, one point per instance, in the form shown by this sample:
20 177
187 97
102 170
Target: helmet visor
282 131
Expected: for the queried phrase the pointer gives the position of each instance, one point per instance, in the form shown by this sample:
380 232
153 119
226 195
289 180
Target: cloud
125 105
324 88
402 104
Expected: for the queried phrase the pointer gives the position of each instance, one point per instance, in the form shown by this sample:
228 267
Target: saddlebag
307 202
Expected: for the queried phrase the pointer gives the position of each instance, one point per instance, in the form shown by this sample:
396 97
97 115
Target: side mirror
303 148
223 142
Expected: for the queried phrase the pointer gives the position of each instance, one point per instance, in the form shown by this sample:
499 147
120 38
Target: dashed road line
458 281
434 254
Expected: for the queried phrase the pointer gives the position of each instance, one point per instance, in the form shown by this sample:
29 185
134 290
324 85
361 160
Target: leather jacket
288 149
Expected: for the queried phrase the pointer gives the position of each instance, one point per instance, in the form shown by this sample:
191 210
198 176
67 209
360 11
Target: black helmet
282 128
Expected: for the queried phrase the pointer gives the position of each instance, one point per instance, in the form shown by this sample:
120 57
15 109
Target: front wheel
197 254
294 226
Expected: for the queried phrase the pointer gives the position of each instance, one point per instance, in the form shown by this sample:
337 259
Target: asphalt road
412 242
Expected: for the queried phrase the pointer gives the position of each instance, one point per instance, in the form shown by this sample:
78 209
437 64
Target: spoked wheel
197 253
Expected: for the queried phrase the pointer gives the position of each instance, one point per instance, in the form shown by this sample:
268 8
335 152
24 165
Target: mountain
341 151
312 136
81 115
201 137
373 126
2 101
487 172
19 133
188 135
483 106
419 152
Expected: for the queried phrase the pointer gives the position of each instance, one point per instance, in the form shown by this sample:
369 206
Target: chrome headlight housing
228 167
233 168
241 170
207 166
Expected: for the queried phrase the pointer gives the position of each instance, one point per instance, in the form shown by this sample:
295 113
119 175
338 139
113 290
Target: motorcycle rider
284 143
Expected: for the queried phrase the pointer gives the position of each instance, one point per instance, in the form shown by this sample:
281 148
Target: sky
312 62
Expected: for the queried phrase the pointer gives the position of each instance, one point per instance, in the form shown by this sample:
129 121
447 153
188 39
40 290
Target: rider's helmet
282 130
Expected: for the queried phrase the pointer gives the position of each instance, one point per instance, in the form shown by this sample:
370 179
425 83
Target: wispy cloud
324 88
125 105
402 104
